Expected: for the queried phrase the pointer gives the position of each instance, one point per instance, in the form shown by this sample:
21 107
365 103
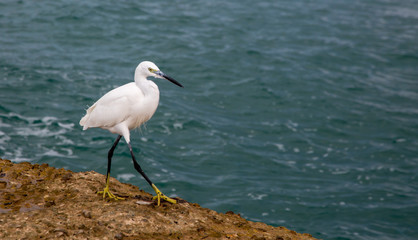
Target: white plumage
125 108
128 106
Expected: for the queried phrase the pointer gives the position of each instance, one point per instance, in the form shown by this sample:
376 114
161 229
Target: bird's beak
159 73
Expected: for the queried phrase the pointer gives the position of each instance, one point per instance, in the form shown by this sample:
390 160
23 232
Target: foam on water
37 133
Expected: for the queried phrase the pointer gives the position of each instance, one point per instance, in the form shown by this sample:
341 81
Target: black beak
168 78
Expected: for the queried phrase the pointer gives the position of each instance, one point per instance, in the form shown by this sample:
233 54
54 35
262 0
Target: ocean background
301 114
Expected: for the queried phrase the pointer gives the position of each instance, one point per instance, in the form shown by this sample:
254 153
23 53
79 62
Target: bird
125 108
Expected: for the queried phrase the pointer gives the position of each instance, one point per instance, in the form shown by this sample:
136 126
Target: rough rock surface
42 202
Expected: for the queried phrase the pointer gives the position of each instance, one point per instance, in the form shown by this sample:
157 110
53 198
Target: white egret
126 108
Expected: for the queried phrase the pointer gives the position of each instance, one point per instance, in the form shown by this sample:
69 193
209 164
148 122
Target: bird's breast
143 110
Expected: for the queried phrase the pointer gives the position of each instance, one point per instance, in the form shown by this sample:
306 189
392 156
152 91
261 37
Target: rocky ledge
42 202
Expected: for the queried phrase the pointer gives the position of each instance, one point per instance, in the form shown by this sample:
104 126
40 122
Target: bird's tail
83 122
85 119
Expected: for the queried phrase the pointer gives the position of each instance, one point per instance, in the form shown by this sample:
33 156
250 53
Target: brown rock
52 203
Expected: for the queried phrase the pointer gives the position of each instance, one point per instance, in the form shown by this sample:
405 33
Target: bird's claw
109 194
160 196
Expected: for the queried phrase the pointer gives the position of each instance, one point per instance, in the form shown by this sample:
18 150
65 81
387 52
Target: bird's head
149 69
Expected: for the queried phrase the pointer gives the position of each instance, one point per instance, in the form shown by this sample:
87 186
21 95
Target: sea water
301 114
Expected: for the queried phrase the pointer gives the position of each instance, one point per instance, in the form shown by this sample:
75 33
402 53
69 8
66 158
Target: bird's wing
113 108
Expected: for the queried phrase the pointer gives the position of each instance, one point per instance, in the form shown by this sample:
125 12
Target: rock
119 236
143 202
86 214
52 203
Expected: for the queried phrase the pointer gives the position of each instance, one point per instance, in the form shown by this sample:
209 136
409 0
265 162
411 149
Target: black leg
106 190
160 195
137 167
109 156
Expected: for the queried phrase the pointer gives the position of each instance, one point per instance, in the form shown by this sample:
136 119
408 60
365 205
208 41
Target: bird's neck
144 84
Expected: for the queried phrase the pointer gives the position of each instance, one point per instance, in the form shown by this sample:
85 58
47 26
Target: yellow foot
160 196
109 194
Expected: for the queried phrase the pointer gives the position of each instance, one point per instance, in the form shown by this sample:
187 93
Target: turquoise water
301 114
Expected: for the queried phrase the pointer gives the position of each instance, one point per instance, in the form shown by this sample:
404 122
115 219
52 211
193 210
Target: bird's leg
107 191
160 195
109 162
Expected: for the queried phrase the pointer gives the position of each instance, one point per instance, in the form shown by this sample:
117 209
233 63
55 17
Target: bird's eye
151 70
